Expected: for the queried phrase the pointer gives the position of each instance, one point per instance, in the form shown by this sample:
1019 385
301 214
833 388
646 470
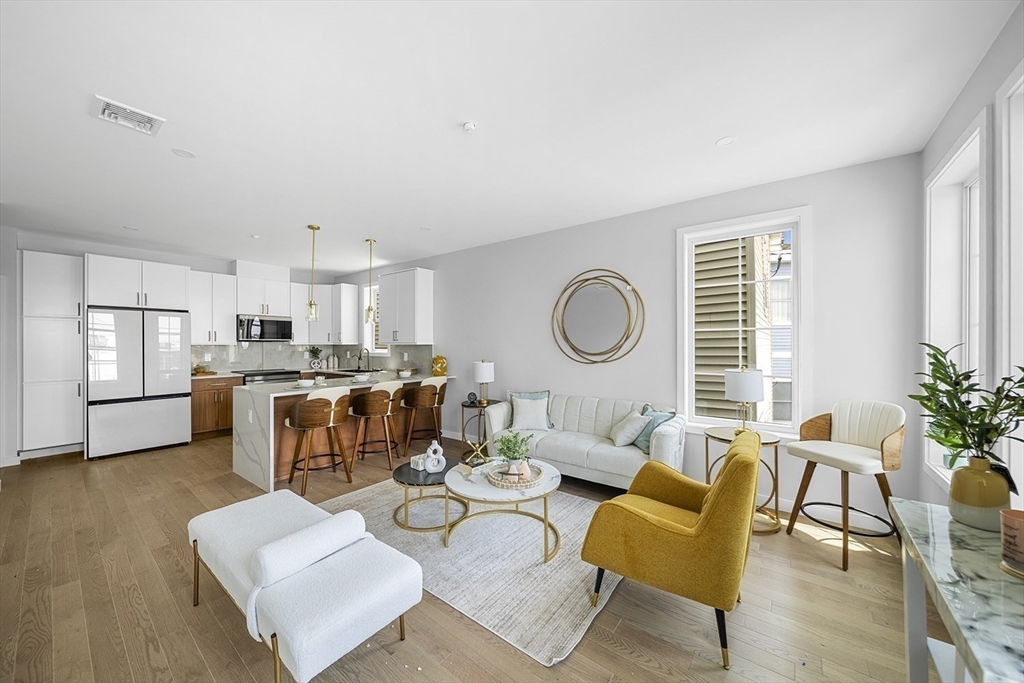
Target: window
371 329
957 294
739 296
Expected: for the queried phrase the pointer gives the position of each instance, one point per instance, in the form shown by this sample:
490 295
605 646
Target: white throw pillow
530 413
628 428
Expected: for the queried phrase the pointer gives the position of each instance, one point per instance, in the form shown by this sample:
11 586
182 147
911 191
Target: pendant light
369 283
312 308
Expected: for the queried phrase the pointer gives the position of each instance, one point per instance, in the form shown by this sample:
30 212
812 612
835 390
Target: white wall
495 302
999 62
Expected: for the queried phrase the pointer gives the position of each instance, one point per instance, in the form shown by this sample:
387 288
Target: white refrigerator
139 381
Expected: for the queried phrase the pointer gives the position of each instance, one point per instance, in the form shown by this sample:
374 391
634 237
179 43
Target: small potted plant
513 448
968 420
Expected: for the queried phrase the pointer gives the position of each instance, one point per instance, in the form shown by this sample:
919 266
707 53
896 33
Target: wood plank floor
96 585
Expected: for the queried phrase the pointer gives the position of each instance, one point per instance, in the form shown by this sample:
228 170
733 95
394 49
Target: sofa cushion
628 428
589 415
625 461
530 395
529 413
537 435
643 442
567 447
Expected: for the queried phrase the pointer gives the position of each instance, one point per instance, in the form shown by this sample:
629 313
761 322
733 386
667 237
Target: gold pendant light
312 308
369 281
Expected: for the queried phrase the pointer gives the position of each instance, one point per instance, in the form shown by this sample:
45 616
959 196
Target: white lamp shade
744 386
483 372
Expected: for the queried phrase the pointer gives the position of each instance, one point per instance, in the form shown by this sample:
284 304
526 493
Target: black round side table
408 478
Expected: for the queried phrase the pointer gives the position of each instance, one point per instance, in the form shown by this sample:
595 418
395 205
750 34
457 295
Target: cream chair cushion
866 423
843 456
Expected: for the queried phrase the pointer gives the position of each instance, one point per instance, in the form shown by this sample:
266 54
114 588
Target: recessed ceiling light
726 141
255 237
129 227
424 228
184 153
468 126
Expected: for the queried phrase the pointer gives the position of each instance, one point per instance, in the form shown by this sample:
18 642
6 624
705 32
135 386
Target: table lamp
744 387
483 374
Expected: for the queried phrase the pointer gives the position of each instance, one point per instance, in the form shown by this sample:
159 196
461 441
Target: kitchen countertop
275 389
219 373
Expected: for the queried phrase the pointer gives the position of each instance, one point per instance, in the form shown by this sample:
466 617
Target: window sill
940 475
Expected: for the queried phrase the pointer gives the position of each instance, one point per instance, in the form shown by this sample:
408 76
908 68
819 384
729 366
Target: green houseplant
968 420
513 446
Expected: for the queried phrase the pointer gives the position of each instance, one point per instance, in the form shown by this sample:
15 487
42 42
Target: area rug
493 571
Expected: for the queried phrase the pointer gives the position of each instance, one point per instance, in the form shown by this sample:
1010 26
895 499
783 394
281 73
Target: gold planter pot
977 494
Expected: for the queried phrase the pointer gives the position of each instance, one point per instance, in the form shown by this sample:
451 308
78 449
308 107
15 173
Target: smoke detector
122 114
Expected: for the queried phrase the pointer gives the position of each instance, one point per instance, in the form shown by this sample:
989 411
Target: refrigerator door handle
137 298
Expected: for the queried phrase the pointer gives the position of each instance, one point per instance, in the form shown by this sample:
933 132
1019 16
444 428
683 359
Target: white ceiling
349 114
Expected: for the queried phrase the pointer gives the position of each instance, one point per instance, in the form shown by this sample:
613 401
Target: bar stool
382 400
429 395
307 417
341 399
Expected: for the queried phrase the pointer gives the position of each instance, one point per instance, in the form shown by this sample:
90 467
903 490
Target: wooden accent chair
862 437
681 535
323 409
382 400
429 395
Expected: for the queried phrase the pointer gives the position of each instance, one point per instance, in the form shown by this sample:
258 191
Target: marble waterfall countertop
275 389
981 606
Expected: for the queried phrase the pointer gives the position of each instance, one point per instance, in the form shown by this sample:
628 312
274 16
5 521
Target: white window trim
686 237
978 128
368 343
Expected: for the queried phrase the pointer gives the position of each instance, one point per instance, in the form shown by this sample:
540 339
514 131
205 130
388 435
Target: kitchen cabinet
52 285
263 297
300 328
321 331
129 283
212 403
52 351
345 317
212 305
53 414
407 307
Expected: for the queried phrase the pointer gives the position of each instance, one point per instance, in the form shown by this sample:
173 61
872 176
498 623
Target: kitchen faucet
359 359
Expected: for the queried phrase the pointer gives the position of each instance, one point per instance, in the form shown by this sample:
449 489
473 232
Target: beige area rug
493 571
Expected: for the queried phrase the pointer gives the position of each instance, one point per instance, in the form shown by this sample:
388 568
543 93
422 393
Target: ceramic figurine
439 366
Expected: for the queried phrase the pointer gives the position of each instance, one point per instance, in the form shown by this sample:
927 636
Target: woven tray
494 478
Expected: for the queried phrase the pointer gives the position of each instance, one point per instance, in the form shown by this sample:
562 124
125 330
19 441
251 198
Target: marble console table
262 447
981 606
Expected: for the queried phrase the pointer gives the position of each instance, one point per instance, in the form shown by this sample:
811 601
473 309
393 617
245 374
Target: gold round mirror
598 318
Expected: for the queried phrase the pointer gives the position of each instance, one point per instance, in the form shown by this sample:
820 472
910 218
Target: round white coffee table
474 488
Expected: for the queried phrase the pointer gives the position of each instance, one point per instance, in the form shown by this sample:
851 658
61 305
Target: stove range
268 375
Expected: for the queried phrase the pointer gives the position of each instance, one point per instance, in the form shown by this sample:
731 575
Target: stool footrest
871 534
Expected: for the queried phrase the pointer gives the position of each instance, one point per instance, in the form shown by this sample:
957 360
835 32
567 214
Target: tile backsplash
261 355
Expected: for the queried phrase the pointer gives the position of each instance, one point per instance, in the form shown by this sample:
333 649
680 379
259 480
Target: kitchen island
262 447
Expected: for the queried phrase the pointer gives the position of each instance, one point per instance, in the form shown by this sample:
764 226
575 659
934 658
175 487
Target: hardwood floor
96 585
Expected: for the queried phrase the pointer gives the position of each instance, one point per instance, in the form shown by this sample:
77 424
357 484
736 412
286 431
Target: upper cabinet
300 328
129 283
346 314
212 305
407 307
52 285
321 331
263 289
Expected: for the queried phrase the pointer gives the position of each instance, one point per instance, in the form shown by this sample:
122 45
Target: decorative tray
495 478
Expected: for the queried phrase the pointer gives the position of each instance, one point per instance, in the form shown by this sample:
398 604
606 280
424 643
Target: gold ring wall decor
609 345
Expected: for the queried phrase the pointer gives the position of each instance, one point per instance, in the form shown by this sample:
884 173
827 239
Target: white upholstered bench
312 585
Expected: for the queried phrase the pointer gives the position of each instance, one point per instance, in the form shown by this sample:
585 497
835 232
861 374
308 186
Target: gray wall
495 302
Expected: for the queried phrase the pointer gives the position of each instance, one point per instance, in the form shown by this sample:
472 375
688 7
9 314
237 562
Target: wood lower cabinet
212 401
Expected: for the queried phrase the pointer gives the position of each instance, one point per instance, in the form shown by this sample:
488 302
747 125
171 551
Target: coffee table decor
412 478
502 476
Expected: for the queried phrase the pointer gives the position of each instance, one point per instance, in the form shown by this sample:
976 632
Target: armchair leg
597 586
401 627
883 486
720 618
846 519
804 483
277 658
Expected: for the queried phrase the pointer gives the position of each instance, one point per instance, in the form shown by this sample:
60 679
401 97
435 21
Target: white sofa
579 444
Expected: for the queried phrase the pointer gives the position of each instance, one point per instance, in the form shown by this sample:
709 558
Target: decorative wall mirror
598 318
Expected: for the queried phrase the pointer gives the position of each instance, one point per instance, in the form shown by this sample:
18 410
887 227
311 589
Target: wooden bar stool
382 400
429 395
307 417
340 398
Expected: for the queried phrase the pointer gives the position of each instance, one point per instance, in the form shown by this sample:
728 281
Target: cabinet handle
145 299
328 336
79 390
79 327
138 298
79 308
214 336
208 334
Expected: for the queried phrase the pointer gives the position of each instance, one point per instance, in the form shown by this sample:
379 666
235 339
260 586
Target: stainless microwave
253 328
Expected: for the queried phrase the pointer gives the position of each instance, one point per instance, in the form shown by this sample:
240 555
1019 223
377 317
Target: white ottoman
316 615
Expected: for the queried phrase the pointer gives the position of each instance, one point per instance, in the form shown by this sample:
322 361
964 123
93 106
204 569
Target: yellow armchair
680 535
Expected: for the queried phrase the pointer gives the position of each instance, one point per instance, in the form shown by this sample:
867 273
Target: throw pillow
628 428
529 413
533 395
643 442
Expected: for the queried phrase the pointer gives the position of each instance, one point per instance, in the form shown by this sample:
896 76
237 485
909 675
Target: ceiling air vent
122 114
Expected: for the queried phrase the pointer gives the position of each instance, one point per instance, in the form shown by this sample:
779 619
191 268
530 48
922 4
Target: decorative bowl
404 373
495 478
361 378
307 382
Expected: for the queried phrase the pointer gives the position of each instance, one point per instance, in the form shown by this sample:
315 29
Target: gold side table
476 455
726 435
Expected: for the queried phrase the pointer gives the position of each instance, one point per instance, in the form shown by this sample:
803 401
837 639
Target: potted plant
968 420
513 448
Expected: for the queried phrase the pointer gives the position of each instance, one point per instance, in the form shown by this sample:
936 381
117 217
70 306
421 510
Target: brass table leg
406 488
545 528
707 458
446 529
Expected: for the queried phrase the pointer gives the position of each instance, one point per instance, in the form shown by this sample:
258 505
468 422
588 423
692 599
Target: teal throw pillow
643 442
